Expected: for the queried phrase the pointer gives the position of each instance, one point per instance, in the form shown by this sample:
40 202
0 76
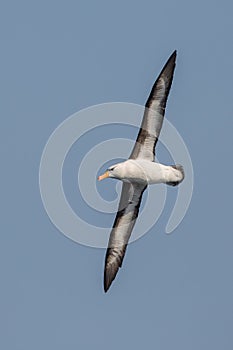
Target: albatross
139 171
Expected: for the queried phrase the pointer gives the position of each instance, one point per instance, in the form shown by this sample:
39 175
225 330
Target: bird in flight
139 171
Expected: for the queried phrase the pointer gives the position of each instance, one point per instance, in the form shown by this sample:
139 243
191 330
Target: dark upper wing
154 113
127 214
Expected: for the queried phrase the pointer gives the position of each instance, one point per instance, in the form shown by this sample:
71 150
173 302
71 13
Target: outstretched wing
132 192
154 113
127 214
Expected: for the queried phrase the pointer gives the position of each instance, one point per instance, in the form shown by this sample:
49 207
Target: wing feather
127 214
154 113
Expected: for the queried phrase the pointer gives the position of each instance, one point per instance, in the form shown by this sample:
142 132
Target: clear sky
173 292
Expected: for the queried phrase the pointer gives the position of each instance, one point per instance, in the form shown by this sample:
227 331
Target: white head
115 171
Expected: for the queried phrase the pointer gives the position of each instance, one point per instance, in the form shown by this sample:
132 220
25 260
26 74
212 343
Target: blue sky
173 291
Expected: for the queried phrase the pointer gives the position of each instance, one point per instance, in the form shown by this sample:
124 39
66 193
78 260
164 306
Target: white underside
141 170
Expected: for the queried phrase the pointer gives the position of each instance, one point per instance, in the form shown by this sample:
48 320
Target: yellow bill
104 176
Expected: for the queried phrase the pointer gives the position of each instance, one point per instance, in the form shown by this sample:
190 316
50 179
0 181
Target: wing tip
111 269
174 53
106 288
106 282
108 278
171 60
173 56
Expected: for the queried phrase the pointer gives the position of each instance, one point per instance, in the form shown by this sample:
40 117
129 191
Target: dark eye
110 169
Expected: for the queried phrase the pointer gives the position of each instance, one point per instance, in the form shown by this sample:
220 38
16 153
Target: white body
142 170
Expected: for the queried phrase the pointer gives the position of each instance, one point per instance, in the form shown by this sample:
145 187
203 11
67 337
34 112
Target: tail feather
179 175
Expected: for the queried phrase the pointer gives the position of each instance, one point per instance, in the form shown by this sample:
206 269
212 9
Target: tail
178 175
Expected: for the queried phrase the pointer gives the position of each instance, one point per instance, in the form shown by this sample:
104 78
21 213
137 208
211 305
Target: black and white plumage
139 171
